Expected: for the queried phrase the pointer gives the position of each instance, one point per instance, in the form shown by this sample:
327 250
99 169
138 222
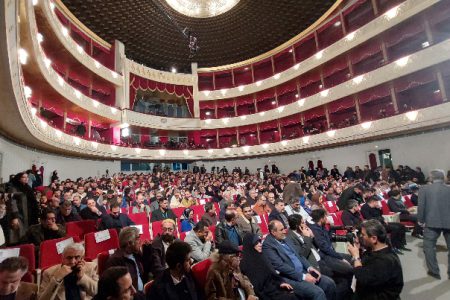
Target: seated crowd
262 236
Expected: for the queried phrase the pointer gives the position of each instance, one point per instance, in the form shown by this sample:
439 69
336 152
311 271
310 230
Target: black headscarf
32 205
258 269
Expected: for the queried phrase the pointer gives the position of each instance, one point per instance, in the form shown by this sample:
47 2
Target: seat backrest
385 207
93 248
102 258
200 271
80 228
198 209
337 218
182 235
178 211
408 202
51 250
331 206
263 224
141 220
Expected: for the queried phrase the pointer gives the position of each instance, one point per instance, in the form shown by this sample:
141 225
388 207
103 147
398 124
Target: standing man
433 213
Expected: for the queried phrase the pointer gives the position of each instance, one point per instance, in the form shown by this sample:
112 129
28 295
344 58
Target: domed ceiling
152 29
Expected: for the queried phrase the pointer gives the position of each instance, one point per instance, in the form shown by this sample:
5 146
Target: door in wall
385 158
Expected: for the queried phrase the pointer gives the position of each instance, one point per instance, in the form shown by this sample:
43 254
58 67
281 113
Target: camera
349 237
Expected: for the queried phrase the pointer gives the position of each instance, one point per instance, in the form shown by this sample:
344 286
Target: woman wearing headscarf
187 218
266 282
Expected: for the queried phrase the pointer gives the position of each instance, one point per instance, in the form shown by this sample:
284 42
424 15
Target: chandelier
202 8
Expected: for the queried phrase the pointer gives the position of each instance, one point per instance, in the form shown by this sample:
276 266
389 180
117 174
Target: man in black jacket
353 192
176 282
396 205
115 219
164 212
379 272
371 211
92 211
227 230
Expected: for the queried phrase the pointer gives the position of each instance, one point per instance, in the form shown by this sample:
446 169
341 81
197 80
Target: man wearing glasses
72 279
159 246
47 230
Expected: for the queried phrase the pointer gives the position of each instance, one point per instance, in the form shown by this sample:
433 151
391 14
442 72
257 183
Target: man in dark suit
164 212
115 219
353 192
433 213
279 213
155 254
295 269
176 282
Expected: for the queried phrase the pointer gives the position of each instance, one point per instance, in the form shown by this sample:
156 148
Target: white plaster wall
17 158
428 150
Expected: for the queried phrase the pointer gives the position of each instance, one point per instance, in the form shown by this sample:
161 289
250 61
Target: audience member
116 284
47 230
227 230
371 211
224 279
396 205
176 282
261 207
30 204
163 212
279 213
350 216
210 216
73 279
115 219
187 220
76 203
433 213
140 205
12 270
158 248
200 238
353 192
92 211
129 256
267 284
306 281
246 223
66 213
379 272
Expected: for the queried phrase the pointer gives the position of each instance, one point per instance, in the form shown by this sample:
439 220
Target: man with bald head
295 269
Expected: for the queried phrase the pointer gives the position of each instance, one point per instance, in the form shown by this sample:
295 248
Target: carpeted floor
418 285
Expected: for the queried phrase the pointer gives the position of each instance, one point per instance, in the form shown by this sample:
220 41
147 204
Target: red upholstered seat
331 206
102 258
142 219
80 228
93 248
200 271
178 211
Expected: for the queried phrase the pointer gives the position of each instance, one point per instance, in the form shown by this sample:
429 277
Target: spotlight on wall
125 132
162 152
258 83
186 152
358 79
208 121
241 88
284 143
324 93
80 49
243 117
27 91
280 109
305 139
33 111
301 102
97 64
319 54
392 13
366 125
412 115
95 103
349 37
225 120
23 56
262 113
173 70
65 31
331 133
276 76
39 37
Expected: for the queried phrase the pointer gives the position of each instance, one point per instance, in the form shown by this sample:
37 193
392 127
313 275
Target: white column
195 91
120 66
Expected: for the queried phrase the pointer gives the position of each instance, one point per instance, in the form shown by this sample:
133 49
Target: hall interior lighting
35 2
412 115
227 150
138 150
265 146
246 148
77 94
262 113
210 151
113 147
125 132
331 133
97 64
301 102
277 76
58 133
223 91
23 56
39 37
243 117
162 152
225 120
186 152
324 93
114 110
425 44
349 37
95 103
80 49
401 62
65 31
27 91
173 70
241 88
319 54
258 83
208 121
305 139
358 79
60 80
47 62
297 66
366 125
94 145
392 13
206 93
280 109
33 111
76 140
284 143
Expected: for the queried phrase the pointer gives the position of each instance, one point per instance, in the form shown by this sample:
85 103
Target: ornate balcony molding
57 82
87 61
414 62
368 31
160 76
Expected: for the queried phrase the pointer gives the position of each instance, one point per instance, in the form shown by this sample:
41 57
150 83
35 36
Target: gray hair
437 174
74 246
128 234
352 203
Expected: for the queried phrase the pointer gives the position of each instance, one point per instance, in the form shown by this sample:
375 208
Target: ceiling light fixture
65 31
366 125
401 62
319 54
358 80
186 152
305 139
243 117
280 109
241 88
173 70
350 36
392 13
258 83
202 9
301 102
162 152
331 133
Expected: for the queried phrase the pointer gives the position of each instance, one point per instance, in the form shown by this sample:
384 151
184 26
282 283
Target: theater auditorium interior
224 149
